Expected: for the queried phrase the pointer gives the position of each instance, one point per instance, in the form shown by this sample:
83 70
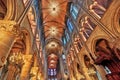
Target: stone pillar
66 65
26 67
61 67
45 65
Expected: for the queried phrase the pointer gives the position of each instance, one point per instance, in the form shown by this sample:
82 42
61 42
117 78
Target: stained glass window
74 11
52 72
69 25
64 40
67 36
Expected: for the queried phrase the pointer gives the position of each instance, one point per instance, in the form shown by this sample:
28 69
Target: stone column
66 65
26 67
61 67
45 66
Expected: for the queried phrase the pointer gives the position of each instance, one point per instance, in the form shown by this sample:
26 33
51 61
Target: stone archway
106 57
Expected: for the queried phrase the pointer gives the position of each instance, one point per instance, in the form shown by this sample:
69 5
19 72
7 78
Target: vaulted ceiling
53 14
53 18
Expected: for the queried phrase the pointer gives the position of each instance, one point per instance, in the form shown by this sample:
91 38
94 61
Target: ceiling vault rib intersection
53 16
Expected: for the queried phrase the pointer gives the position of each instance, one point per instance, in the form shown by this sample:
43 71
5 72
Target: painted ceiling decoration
53 14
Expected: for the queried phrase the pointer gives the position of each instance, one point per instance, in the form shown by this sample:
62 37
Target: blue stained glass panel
73 15
67 36
51 72
74 11
64 40
70 25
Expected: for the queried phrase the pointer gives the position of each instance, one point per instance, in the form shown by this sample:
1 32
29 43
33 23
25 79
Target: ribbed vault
53 14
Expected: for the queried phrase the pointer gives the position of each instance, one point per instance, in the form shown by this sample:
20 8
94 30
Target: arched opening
107 58
53 63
